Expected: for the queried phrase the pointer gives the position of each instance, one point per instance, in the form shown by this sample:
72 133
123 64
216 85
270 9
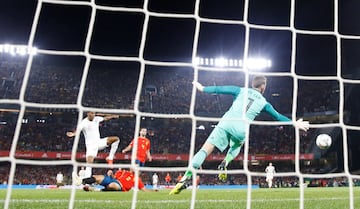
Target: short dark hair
257 81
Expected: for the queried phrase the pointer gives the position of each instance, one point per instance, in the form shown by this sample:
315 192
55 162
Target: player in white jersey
82 173
90 128
270 171
155 181
59 179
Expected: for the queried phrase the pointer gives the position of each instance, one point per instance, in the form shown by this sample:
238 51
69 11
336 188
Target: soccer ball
323 141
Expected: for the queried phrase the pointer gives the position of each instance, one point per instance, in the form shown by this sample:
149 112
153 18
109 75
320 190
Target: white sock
88 172
113 149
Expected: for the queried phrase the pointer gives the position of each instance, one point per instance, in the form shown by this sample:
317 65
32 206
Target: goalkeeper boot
223 174
179 187
76 179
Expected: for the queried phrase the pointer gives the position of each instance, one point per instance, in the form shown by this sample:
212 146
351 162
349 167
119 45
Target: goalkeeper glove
302 125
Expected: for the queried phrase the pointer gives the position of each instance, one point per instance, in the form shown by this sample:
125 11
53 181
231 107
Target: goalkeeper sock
231 154
199 158
186 176
197 161
90 180
113 149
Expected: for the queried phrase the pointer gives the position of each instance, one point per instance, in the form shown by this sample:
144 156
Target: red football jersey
127 180
143 147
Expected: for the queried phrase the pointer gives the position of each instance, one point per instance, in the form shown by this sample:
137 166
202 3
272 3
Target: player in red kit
127 180
122 181
143 148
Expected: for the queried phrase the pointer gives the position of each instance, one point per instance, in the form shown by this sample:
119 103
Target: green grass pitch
287 198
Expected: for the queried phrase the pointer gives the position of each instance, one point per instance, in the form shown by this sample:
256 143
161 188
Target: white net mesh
138 59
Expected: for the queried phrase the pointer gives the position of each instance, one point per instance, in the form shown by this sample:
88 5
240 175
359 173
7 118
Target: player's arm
71 133
148 190
112 187
109 117
198 86
127 149
302 125
141 186
148 155
232 90
275 114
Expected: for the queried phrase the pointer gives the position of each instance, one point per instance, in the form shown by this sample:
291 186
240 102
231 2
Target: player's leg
105 142
155 186
139 163
76 179
89 180
113 186
91 153
217 138
233 152
88 169
196 162
109 183
269 181
93 179
114 142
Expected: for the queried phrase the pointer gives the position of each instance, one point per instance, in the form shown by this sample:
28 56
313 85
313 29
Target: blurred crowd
166 90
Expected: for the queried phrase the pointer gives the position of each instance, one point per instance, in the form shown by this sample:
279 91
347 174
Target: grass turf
287 198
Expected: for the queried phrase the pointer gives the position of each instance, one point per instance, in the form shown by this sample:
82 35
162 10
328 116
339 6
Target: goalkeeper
234 125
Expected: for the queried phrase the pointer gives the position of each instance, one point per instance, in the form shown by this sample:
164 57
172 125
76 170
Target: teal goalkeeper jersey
234 121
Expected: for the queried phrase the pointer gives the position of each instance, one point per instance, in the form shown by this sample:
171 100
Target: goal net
138 59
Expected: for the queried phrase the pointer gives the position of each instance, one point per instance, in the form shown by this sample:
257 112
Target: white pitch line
168 201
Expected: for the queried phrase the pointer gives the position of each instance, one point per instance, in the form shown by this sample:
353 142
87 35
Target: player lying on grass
234 124
122 181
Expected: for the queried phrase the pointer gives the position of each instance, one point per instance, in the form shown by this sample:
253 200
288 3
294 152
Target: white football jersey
155 179
59 177
270 170
82 174
90 129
